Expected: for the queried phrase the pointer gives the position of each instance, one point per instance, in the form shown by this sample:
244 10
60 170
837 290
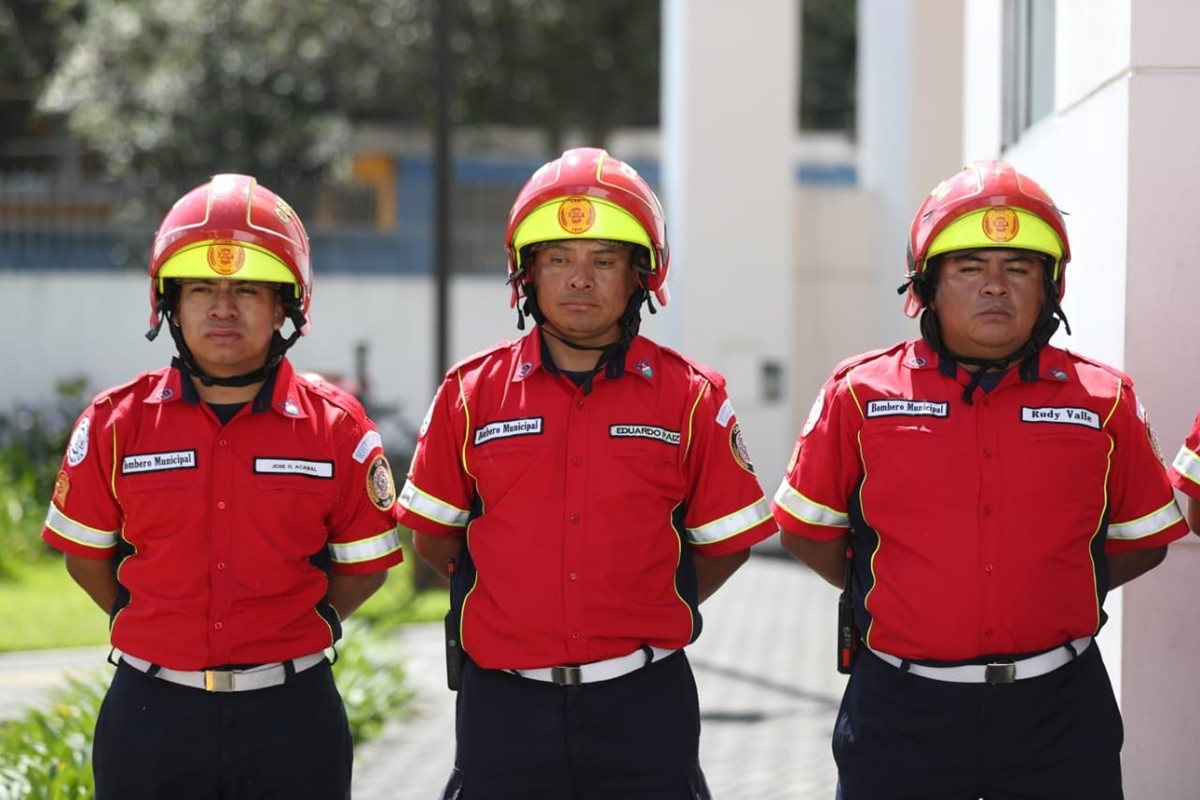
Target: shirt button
574 634
987 402
988 633
989 569
218 625
574 576
223 442
577 461
220 565
987 511
221 504
574 519
579 404
987 453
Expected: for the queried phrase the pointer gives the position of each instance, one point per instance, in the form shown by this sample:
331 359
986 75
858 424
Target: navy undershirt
991 379
226 411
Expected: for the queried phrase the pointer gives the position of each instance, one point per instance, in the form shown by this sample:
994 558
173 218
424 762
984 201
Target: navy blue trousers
1054 737
636 737
156 740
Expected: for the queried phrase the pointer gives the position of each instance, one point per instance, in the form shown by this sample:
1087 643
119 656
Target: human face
583 286
228 324
988 300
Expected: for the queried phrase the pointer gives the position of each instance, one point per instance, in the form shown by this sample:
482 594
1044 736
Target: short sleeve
84 519
825 468
363 537
1184 472
437 492
1143 512
725 507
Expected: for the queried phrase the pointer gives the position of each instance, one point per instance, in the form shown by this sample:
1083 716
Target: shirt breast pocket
650 463
900 448
501 466
154 501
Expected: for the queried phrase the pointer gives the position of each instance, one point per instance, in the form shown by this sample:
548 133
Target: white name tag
1070 416
644 432
293 466
907 408
158 462
369 441
530 426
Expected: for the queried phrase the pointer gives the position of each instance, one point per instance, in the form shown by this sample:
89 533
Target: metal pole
441 186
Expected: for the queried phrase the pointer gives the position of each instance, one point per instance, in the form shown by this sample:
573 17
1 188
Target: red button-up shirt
978 529
224 533
581 511
1185 469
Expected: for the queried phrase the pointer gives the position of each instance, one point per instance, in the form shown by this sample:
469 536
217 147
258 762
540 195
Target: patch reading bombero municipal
529 426
158 462
1063 414
633 430
898 407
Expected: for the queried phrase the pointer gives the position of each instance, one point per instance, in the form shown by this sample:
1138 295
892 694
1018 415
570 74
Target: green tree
167 92
31 33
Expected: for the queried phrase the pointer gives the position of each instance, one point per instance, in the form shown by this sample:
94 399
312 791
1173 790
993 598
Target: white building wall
64 324
1118 154
729 119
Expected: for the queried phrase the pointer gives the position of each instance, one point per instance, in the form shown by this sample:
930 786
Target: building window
1029 64
828 60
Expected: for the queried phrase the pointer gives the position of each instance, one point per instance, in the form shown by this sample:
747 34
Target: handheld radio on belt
847 632
454 653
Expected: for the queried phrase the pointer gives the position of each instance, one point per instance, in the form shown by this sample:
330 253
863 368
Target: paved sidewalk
768 696
27 678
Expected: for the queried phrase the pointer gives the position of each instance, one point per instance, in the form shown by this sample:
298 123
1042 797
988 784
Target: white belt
1000 672
572 674
228 680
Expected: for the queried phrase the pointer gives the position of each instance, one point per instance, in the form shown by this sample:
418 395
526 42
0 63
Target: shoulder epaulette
1118 374
475 358
862 358
337 396
712 375
112 392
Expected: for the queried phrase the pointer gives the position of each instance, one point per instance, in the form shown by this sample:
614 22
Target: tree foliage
171 91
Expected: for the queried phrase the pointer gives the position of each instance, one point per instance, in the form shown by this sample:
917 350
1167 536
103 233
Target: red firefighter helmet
588 194
232 228
986 204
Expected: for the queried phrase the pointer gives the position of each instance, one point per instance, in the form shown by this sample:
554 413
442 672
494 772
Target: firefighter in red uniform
1185 474
588 489
992 489
228 515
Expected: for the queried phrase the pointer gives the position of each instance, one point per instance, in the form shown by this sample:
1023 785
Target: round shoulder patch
380 486
814 413
737 445
77 450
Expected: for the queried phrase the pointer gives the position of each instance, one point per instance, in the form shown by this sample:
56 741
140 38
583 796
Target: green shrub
46 754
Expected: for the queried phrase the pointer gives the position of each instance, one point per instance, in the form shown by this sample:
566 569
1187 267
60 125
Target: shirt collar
641 358
1048 363
279 392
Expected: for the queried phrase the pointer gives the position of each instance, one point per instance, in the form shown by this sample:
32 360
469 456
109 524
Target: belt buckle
1000 673
218 680
569 675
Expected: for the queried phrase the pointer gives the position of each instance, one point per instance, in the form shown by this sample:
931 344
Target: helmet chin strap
612 356
1044 328
186 361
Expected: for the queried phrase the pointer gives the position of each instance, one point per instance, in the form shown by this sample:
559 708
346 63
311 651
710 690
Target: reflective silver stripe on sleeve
1148 525
68 528
1187 464
806 510
731 525
365 549
431 508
